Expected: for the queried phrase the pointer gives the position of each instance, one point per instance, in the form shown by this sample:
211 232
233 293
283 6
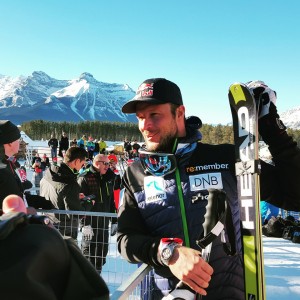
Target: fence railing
124 280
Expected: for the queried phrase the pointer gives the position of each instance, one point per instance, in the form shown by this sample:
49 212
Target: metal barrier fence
92 231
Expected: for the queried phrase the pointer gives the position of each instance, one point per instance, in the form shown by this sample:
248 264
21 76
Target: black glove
88 202
270 126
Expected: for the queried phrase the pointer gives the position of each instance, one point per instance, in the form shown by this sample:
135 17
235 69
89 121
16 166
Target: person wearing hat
162 210
10 179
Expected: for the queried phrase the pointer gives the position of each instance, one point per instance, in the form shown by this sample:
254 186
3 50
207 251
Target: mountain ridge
80 99
40 96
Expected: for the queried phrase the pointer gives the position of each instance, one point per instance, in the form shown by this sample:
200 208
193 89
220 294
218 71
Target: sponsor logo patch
154 189
201 182
208 167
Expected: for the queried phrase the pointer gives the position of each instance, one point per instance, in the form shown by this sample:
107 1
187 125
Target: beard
165 144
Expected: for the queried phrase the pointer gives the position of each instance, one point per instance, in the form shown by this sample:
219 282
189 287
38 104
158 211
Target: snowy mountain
40 96
291 118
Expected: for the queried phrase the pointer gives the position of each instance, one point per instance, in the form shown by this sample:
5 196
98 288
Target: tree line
118 131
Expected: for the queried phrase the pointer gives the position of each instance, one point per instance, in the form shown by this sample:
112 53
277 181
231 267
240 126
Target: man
102 146
99 181
11 181
135 149
63 144
59 185
53 144
81 142
128 148
167 212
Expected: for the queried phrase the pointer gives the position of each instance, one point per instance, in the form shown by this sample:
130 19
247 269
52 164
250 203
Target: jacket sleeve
70 197
280 183
135 242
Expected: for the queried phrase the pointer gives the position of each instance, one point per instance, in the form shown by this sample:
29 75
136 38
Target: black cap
9 132
154 91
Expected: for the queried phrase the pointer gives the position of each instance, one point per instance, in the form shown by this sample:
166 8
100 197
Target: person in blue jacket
161 214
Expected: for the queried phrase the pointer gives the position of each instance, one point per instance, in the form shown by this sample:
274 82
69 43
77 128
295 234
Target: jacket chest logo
154 189
206 181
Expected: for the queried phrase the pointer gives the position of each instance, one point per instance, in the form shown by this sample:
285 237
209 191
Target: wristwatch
166 248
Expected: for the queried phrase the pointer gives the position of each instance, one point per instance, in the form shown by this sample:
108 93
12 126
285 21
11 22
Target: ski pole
214 222
213 226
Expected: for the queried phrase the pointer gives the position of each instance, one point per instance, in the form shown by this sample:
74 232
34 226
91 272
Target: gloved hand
113 229
270 126
263 95
87 233
87 202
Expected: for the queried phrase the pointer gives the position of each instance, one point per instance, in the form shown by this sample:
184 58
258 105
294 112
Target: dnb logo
154 189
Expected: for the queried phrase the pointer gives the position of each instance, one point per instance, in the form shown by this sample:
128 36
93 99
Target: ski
245 127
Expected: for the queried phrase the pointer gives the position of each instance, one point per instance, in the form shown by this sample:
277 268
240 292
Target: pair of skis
244 110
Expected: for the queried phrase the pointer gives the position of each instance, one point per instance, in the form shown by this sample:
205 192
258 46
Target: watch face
166 253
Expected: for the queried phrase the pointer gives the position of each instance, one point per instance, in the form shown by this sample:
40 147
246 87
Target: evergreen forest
118 131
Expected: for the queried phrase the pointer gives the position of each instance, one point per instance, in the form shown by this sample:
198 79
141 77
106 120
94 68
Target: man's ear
181 112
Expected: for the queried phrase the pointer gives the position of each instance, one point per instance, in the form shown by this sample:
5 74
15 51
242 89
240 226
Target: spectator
63 144
163 206
135 149
59 185
102 146
118 182
98 181
37 174
45 162
90 146
81 142
128 148
97 148
73 143
10 177
36 158
53 144
40 262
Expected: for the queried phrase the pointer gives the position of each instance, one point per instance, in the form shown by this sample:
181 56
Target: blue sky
203 46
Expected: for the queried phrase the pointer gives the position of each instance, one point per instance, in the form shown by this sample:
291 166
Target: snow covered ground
282 269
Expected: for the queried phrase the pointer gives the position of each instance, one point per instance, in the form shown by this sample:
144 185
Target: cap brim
130 107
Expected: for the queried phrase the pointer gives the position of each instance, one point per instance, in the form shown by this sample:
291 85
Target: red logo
145 90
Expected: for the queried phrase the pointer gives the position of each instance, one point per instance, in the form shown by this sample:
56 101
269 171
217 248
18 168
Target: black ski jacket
146 215
59 185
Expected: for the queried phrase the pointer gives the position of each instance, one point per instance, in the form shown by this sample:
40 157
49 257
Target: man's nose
146 124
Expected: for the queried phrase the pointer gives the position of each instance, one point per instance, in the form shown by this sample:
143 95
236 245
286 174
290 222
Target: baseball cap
154 91
9 132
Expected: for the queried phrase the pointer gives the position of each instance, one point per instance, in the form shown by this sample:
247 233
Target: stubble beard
165 144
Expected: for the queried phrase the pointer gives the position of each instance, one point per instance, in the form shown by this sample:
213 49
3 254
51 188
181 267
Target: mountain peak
41 97
87 76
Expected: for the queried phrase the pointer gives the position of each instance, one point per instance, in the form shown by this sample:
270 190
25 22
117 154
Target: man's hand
188 266
263 95
270 126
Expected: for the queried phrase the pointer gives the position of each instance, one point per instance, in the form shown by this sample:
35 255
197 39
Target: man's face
102 165
157 125
12 148
79 164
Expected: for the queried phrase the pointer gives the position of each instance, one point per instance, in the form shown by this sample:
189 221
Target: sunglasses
104 162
